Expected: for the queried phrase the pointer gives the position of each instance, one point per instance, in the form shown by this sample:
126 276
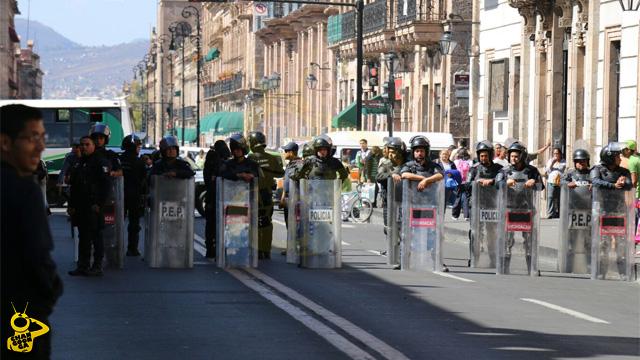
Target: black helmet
485 145
520 148
131 142
420 141
307 150
222 149
167 142
609 153
237 141
256 139
581 154
100 128
321 141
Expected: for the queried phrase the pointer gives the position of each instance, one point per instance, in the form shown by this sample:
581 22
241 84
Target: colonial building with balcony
558 70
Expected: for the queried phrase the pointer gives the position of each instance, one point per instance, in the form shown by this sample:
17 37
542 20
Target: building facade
559 70
9 50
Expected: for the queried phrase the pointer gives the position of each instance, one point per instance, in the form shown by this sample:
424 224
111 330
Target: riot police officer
133 169
101 134
421 168
579 175
170 165
519 171
322 166
290 154
90 187
390 167
271 170
610 175
212 163
484 173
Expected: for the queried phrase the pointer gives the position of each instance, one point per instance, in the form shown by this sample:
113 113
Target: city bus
66 121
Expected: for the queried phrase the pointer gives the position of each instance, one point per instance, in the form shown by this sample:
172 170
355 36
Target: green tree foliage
137 100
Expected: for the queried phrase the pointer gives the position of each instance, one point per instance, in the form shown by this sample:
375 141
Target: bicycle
356 207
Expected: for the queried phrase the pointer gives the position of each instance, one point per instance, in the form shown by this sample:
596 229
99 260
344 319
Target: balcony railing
188 112
334 28
224 86
375 16
419 10
349 25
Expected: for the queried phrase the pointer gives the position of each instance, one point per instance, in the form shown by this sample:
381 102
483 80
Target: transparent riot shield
612 230
484 226
574 243
293 232
237 227
394 221
422 226
169 236
518 229
321 241
113 232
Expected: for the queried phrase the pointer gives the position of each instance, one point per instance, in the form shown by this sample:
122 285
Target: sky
94 22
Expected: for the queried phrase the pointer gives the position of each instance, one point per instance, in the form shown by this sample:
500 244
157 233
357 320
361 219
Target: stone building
559 70
9 50
30 75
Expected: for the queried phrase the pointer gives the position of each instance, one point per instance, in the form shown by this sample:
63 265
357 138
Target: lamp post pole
186 13
161 40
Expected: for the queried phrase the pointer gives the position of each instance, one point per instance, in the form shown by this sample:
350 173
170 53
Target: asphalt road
364 310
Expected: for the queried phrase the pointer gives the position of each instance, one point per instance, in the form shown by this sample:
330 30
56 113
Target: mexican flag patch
105 169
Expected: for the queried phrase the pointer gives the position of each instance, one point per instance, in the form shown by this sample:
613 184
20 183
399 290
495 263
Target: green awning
177 93
383 110
212 54
346 118
189 134
222 123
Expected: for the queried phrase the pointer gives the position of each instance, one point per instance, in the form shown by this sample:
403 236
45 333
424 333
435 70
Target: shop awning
189 134
222 123
346 118
382 110
212 54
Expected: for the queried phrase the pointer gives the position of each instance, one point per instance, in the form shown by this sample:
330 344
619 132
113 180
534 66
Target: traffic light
373 76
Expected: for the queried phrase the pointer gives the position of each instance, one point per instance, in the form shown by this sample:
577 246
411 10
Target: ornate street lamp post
187 12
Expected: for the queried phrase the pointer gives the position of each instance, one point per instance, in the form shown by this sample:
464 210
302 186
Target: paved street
364 310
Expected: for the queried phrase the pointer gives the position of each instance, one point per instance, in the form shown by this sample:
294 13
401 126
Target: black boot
96 269
81 270
211 252
506 264
133 252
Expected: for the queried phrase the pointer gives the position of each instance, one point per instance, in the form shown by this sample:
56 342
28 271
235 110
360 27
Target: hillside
73 70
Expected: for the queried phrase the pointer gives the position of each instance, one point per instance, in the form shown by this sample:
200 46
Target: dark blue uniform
133 170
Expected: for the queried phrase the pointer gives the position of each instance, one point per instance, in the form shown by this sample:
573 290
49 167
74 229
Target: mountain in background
72 70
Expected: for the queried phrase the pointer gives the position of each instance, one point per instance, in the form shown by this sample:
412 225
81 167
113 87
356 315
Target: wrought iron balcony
223 87
349 25
419 10
189 112
375 16
334 28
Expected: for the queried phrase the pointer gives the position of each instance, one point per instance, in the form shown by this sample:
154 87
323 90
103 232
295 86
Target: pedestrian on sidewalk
555 168
28 273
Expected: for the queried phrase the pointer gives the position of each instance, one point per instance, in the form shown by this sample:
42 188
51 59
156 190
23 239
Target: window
56 124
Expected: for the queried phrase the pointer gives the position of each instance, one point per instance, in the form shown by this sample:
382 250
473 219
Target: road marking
316 326
345 243
521 348
563 310
358 333
376 252
348 226
452 276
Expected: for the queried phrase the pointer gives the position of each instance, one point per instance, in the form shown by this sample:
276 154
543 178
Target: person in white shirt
555 168
502 157
361 160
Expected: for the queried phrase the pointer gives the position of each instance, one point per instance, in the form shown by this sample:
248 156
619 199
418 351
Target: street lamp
264 84
274 81
628 5
161 40
311 81
179 32
392 63
447 43
187 12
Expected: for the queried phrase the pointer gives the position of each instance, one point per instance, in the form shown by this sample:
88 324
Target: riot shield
422 226
293 232
169 234
518 229
484 226
113 232
321 226
394 221
574 243
612 228
237 228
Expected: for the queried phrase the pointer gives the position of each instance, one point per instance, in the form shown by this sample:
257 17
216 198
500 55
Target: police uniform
271 169
315 168
90 185
179 166
133 169
212 164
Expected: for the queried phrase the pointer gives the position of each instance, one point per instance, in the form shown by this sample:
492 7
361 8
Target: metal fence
419 10
375 16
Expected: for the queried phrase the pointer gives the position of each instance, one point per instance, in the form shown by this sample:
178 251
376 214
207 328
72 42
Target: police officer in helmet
218 153
322 166
170 165
101 134
610 175
421 168
133 169
390 167
271 169
519 171
90 188
579 175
